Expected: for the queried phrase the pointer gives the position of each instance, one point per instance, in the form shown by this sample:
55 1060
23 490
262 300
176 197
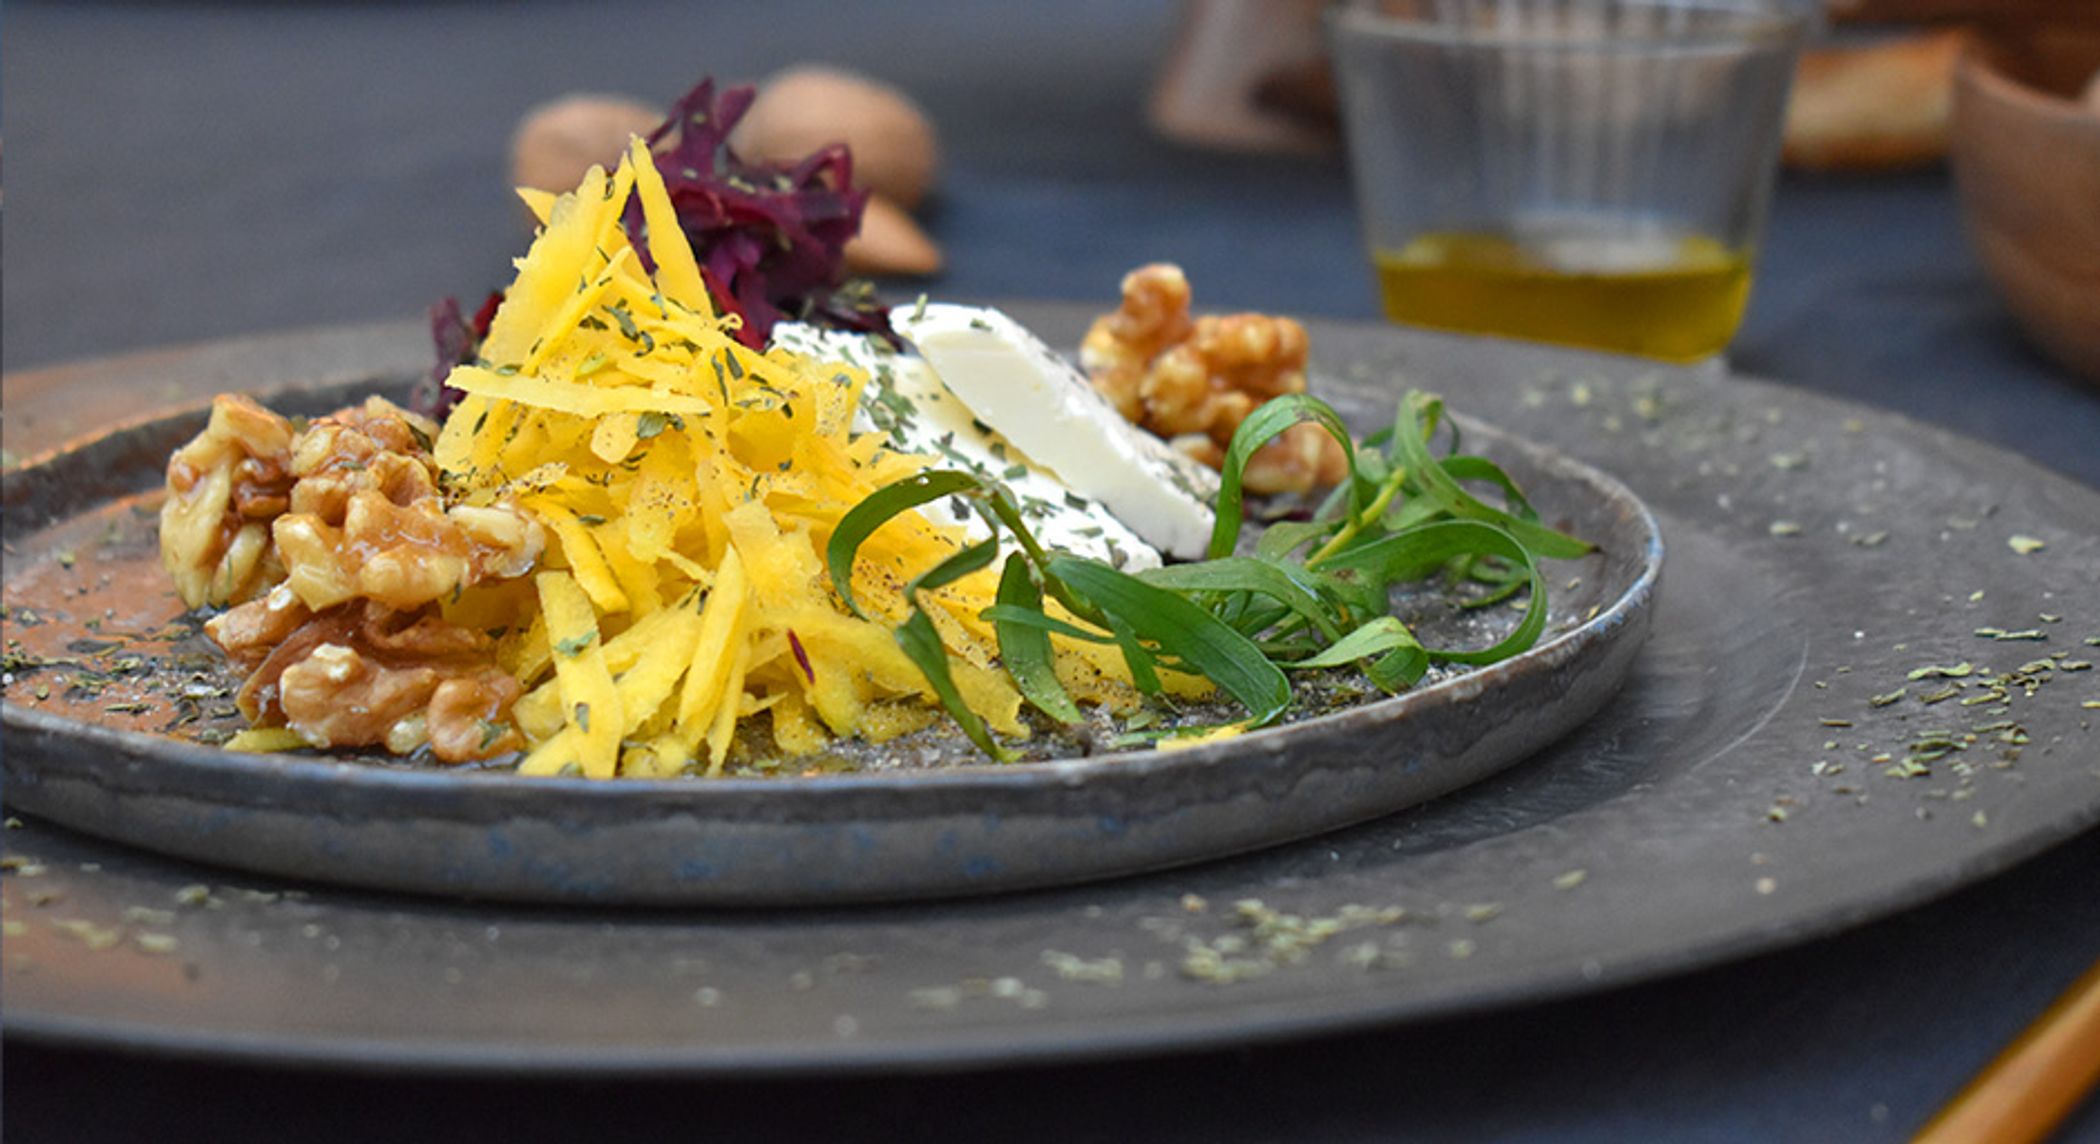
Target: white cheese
1042 404
905 399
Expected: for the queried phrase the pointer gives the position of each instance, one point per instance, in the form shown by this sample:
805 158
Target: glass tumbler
1586 172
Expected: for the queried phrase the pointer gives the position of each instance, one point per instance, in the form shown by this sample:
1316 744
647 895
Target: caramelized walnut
335 697
224 486
367 519
1195 381
343 533
339 697
1255 354
468 716
347 508
1300 458
1119 346
361 674
249 632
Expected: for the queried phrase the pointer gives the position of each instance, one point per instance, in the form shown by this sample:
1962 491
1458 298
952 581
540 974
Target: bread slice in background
1879 106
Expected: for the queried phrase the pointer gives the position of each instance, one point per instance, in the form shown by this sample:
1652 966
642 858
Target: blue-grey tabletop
178 172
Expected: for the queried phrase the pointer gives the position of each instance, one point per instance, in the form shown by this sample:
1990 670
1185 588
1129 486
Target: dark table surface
178 173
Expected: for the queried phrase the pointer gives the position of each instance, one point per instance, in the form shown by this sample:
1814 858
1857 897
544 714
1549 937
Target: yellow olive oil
1671 296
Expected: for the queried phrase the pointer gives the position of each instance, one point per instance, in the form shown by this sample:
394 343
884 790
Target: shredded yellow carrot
689 486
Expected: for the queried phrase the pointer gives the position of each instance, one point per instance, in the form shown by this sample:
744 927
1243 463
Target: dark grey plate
92 763
1688 822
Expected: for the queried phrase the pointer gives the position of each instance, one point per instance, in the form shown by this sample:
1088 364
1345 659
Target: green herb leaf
1259 427
1181 629
1467 468
1284 537
1240 621
1144 670
1244 574
1402 658
1411 449
1026 650
1029 617
923 645
651 423
1415 553
861 521
955 567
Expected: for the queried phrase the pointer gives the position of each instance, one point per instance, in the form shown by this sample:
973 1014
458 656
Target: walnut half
224 488
1194 380
367 520
364 675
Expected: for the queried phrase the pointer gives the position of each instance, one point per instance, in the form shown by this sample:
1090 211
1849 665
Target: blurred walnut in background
896 155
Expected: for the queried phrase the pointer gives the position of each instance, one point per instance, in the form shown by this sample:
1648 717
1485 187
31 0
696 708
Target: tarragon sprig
1312 595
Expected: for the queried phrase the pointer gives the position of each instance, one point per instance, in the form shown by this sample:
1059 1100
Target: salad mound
656 518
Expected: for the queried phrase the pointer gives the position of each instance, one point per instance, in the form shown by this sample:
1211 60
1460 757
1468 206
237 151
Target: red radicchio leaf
770 238
458 342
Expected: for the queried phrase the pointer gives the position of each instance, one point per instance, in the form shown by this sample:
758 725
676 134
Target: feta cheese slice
905 399
1044 405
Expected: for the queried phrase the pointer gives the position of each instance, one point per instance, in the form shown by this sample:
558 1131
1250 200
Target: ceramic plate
1752 785
117 757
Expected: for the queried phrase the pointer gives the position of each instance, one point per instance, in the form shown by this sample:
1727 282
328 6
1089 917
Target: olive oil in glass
1665 295
1583 172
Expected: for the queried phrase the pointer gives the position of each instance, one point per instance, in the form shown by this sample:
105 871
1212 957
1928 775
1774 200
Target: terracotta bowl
2026 154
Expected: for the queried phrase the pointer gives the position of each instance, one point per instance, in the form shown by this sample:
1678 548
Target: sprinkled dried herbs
89 934
1267 939
1072 967
1943 671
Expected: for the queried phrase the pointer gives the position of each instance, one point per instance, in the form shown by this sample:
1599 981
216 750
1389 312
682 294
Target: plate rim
1386 1008
994 1047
